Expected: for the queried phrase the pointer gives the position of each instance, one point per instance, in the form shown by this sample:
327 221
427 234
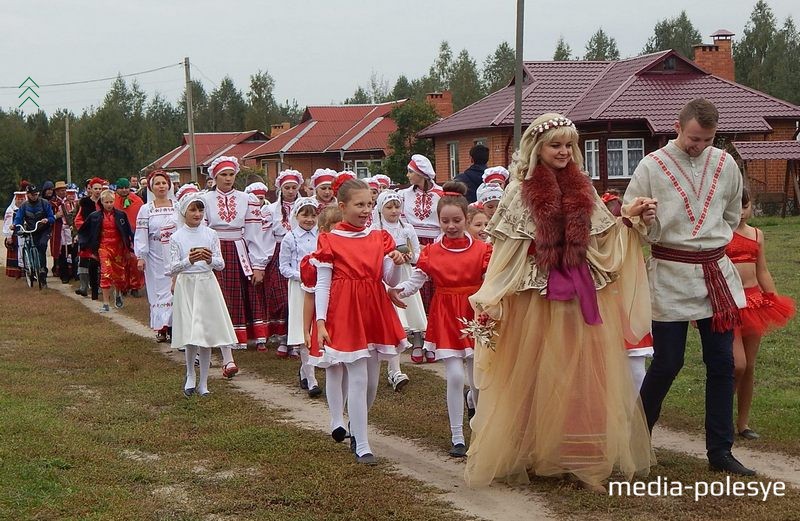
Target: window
362 167
623 156
592 147
452 155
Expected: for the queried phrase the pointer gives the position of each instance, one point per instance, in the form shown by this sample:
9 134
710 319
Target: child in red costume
765 310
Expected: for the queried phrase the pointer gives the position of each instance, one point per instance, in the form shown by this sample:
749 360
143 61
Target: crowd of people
525 283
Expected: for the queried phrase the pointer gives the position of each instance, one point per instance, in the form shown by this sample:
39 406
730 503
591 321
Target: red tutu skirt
765 312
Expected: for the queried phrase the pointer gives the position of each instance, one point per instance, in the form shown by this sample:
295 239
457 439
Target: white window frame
481 141
591 155
362 165
452 158
627 147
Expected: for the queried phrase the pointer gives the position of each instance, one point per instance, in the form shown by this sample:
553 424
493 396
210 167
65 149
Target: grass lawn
94 426
776 405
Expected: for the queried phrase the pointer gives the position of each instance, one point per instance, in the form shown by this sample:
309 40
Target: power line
179 64
203 74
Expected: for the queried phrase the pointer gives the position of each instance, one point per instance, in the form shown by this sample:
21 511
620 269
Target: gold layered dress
556 394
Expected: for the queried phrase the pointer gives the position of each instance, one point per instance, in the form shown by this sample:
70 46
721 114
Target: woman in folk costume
130 203
299 242
258 189
236 217
362 326
322 182
277 223
374 189
412 317
13 246
456 263
419 210
384 181
152 220
201 317
566 285
88 263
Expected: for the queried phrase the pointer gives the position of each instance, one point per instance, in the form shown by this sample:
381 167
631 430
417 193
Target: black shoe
303 383
749 434
367 459
731 465
314 392
135 293
459 450
81 292
470 410
188 392
339 434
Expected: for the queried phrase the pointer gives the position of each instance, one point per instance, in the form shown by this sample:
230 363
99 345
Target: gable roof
335 128
651 88
778 150
208 146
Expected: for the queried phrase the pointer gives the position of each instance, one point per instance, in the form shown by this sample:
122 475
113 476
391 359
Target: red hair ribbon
452 194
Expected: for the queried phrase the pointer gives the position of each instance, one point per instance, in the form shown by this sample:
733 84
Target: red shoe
416 355
282 352
229 370
261 347
430 357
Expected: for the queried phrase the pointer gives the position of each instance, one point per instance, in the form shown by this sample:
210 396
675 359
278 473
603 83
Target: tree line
129 129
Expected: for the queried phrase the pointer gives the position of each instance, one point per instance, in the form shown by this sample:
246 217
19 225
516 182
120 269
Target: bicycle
31 261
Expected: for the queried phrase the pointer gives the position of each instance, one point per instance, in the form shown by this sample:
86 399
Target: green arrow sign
28 79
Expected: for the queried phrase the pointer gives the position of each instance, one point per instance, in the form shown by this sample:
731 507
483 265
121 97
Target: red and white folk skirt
245 302
276 295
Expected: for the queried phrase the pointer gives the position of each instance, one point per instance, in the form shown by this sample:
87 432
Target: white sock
373 375
227 355
205 363
189 354
358 380
470 363
454 371
335 392
394 365
638 371
306 369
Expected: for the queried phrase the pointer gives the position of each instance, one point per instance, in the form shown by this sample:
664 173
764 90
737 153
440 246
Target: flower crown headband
553 123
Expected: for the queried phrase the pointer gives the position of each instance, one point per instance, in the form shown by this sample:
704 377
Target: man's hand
140 264
644 207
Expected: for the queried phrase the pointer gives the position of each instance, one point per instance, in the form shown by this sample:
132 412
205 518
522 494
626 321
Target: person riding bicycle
32 212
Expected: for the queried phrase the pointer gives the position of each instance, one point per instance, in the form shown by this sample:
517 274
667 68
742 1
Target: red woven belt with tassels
726 313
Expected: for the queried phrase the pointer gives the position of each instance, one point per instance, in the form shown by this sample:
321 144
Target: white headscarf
298 205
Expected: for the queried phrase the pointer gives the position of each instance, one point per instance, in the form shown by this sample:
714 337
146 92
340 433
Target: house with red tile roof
209 146
351 137
623 110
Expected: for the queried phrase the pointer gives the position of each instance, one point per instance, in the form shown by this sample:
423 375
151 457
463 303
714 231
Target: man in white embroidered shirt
698 188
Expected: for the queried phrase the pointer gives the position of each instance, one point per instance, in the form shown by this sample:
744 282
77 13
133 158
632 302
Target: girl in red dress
360 326
765 310
456 264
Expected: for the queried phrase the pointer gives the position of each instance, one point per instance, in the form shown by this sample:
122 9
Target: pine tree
464 81
563 50
601 47
498 68
261 106
674 33
751 54
410 118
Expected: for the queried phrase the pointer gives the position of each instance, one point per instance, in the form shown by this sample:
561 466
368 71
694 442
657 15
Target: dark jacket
472 177
90 233
28 214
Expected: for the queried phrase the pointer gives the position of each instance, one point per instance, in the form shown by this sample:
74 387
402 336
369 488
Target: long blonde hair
526 157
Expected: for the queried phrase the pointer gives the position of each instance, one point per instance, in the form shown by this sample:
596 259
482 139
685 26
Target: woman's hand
258 277
195 255
644 207
140 264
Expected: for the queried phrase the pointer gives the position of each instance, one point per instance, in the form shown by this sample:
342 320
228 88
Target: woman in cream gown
566 286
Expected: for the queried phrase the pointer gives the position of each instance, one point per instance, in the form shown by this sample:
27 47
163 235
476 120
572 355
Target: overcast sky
317 51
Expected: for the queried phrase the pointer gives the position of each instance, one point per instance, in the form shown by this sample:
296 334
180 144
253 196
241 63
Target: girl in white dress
299 242
389 207
200 315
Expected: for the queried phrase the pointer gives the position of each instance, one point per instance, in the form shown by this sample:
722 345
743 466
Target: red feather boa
561 204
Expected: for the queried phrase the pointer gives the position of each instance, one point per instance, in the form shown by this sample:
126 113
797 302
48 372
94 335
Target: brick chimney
278 129
442 102
717 58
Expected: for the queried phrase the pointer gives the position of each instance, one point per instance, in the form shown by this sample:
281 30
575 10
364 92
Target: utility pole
190 117
69 165
518 76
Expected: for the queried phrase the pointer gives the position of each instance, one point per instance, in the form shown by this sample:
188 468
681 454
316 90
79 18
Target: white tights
205 362
361 390
306 369
454 371
637 372
227 355
336 393
394 365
